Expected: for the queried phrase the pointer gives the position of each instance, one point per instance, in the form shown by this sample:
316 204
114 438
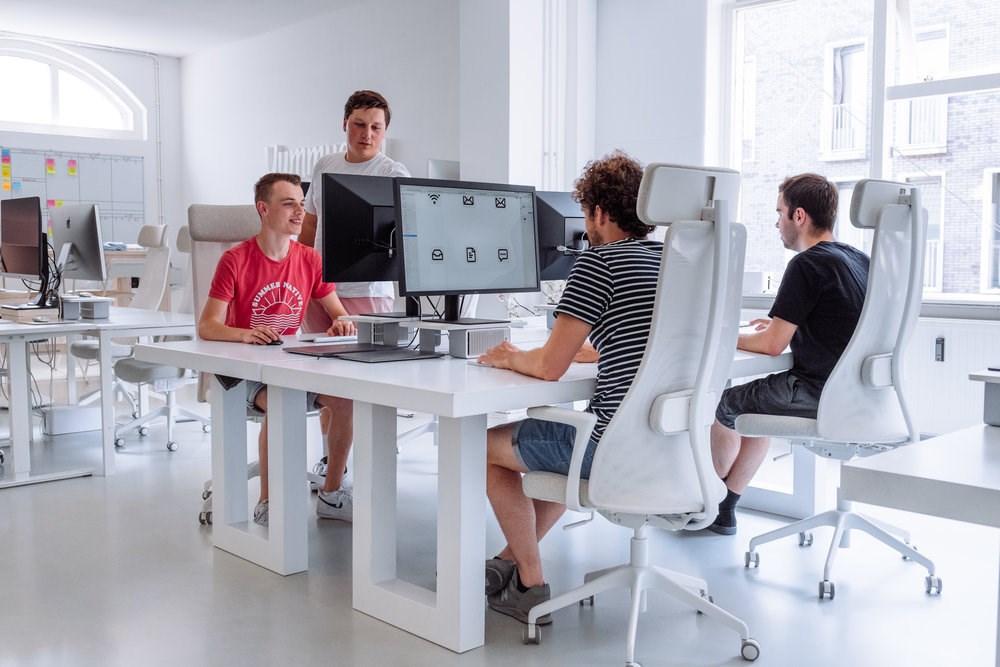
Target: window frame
111 88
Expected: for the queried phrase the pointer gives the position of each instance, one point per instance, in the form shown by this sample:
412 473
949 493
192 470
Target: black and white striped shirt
612 288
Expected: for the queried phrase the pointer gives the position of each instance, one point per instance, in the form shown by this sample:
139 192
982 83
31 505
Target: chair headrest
184 239
672 192
223 224
152 236
870 195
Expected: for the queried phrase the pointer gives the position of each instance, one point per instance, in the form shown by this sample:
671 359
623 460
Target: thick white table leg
107 405
282 547
20 405
453 616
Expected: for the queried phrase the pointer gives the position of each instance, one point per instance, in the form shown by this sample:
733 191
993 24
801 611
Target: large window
897 89
46 89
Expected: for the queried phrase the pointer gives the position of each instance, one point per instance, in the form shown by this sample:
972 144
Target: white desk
124 322
991 395
955 476
459 394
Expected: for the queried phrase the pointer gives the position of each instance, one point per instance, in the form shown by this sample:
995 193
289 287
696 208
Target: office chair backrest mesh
863 400
637 469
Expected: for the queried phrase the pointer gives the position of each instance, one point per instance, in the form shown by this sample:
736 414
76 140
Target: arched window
47 89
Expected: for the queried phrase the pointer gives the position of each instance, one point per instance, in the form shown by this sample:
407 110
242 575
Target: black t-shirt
821 292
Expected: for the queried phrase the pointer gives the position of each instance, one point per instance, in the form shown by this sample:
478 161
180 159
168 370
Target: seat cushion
91 349
132 370
776 426
551 486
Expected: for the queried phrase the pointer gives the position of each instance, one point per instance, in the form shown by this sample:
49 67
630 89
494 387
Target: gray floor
117 571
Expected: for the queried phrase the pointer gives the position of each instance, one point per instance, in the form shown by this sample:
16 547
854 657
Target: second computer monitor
358 229
561 233
466 238
76 242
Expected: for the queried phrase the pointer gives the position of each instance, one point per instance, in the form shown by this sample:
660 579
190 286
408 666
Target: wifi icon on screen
434 197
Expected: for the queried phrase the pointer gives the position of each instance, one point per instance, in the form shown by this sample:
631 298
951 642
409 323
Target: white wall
289 87
651 79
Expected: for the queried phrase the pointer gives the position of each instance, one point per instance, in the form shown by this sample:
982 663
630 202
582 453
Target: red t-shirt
260 291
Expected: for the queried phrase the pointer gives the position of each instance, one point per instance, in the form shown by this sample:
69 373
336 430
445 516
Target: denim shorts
548 446
254 388
778 394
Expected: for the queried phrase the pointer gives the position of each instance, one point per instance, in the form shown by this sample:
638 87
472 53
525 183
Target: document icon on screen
500 202
468 200
470 255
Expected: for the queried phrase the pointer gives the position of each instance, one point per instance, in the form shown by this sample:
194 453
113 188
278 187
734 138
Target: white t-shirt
336 163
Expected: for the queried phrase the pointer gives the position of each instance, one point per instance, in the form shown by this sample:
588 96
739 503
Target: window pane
83 105
811 61
25 91
967 30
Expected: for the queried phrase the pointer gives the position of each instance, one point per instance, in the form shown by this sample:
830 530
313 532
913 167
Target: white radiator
302 160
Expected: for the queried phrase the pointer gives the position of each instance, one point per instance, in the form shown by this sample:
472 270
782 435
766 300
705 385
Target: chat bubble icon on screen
503 254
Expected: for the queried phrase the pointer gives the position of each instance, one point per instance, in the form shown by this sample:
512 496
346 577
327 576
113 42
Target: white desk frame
124 322
460 395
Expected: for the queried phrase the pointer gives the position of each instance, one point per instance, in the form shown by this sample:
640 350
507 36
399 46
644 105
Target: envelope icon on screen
468 200
500 202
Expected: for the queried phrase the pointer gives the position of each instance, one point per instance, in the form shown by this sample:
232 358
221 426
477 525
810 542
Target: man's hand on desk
756 325
342 328
500 356
261 335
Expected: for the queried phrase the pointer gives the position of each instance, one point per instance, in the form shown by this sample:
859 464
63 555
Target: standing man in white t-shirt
366 118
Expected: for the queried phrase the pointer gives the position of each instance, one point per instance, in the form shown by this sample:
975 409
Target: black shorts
778 394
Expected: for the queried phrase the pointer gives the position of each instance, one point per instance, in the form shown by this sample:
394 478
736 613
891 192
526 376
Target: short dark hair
367 99
262 189
612 183
815 195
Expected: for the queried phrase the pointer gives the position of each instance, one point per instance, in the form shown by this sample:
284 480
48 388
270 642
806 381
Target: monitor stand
412 311
451 314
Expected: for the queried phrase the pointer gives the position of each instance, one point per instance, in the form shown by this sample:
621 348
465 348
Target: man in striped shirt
609 299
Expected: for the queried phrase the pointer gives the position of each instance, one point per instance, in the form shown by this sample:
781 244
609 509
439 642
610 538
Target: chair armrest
584 423
670 413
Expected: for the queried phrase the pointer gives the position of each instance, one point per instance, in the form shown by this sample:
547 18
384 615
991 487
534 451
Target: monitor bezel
88 217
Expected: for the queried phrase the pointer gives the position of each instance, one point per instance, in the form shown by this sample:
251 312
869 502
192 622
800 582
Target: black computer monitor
24 251
561 233
76 242
463 238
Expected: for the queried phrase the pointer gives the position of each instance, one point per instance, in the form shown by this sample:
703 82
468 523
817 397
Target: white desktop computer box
62 419
470 343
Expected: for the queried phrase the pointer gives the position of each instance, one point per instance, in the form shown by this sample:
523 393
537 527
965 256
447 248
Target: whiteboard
114 182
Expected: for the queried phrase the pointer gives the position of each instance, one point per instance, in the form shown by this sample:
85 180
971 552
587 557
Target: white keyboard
476 362
323 338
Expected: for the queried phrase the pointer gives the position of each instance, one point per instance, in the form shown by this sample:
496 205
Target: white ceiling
165 27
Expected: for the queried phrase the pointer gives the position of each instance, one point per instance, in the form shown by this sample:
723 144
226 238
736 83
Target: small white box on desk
95 307
469 343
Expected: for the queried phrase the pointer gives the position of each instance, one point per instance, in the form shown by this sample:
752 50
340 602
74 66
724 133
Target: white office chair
862 410
653 464
150 295
163 379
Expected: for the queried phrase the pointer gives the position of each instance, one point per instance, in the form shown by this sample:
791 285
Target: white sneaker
260 514
337 504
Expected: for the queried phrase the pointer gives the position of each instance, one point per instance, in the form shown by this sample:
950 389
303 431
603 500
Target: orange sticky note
6 186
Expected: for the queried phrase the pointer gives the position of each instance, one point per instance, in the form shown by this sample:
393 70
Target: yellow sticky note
50 166
5 170
71 168
59 202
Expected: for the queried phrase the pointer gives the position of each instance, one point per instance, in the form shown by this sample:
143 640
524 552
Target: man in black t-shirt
815 311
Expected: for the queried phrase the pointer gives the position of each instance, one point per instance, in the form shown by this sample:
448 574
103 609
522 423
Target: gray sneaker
337 504
512 602
498 574
260 514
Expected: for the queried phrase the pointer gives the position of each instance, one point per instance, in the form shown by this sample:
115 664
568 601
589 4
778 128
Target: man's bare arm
212 326
773 339
335 309
548 362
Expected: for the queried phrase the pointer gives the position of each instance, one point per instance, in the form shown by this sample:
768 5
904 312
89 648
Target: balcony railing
847 128
932 264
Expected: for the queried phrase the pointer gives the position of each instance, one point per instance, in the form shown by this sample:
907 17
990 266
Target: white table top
985 376
955 476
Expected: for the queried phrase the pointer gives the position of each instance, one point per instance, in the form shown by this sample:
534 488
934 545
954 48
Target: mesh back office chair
150 295
164 379
653 464
862 410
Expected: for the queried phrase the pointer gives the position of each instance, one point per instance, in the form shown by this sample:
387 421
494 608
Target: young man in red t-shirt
259 293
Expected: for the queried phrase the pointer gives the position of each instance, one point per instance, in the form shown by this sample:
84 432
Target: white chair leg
828 518
868 525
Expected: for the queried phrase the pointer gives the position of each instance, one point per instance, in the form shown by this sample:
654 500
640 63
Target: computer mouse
277 341
86 295
41 318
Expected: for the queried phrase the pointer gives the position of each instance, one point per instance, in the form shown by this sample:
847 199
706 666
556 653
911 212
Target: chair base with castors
843 520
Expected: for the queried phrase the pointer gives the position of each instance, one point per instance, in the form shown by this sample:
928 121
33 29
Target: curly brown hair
612 183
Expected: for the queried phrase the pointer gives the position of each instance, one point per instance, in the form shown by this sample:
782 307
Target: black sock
727 510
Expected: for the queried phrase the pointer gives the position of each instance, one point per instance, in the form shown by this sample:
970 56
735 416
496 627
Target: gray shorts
777 394
548 446
254 388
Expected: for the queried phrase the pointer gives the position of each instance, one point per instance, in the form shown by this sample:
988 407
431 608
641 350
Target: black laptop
337 349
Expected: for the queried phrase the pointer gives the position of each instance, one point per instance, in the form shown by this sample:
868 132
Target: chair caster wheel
587 600
750 650
532 634
805 539
826 588
119 443
171 446
135 414
2 458
205 518
143 430
633 664
932 584
751 559
206 494
206 428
